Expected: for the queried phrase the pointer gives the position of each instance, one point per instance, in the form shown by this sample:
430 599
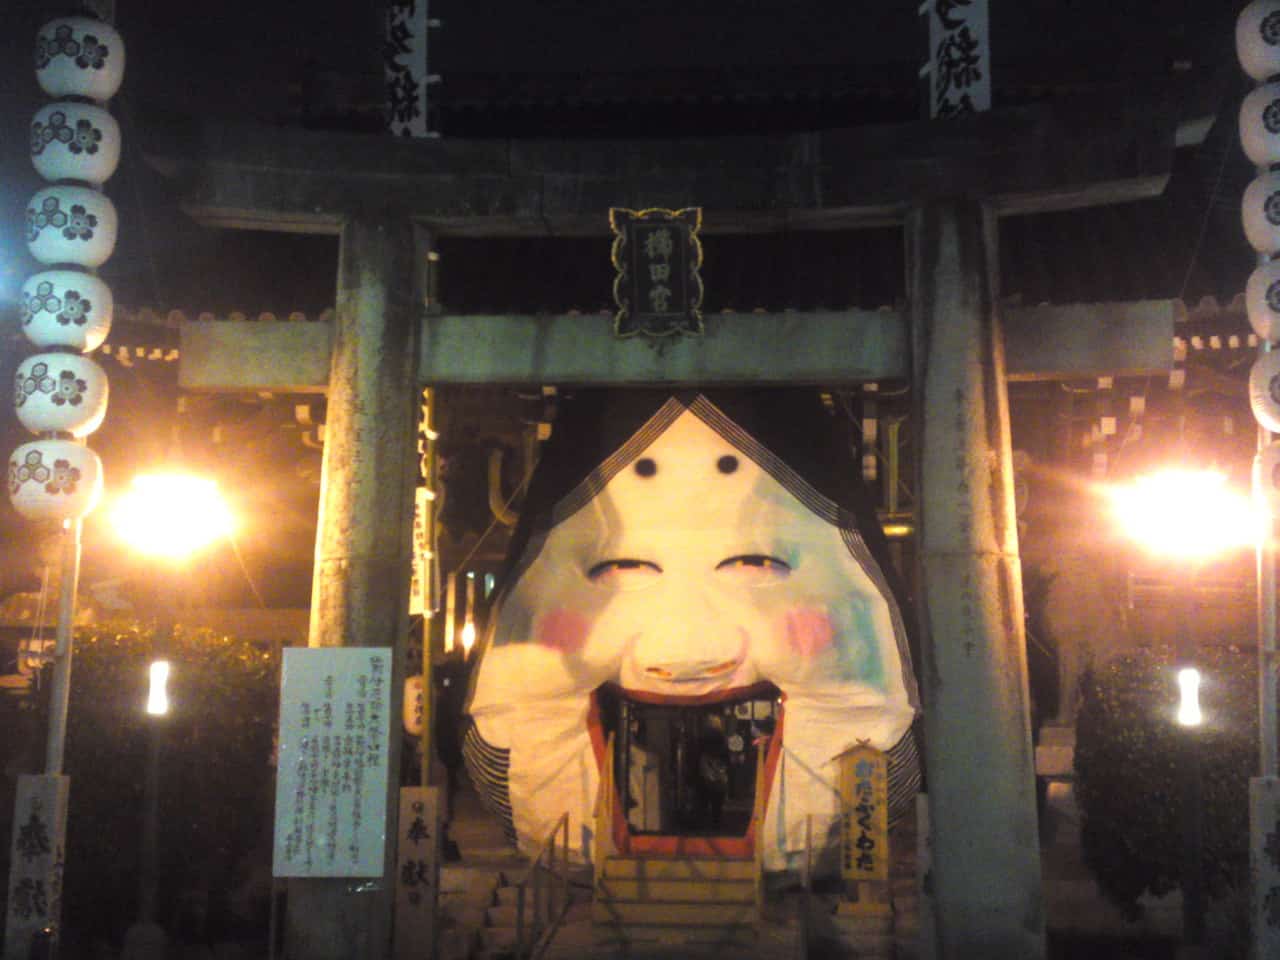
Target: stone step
506 915
702 891
580 941
852 922
456 944
686 868
495 941
674 935
709 915
455 878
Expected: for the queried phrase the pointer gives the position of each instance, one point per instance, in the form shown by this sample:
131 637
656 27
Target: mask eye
754 568
624 573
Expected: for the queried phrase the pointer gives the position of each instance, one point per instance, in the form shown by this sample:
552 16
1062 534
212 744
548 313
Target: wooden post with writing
417 873
864 830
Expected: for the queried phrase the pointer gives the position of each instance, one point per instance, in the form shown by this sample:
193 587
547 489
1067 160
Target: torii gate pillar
360 586
985 878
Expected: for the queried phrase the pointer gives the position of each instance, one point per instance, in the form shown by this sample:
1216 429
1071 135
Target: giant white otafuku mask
690 563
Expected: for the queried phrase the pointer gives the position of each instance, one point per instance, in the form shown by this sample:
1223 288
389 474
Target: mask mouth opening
691 775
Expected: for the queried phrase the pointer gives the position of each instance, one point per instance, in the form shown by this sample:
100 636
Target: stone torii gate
947 183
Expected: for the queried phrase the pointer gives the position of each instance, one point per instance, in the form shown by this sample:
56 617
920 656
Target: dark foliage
215 780
1130 758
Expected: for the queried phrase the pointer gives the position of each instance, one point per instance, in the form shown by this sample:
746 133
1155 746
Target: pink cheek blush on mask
808 631
563 630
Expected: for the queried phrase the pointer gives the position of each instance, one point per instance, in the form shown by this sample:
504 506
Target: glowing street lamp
168 516
158 693
1188 517
1189 697
171 515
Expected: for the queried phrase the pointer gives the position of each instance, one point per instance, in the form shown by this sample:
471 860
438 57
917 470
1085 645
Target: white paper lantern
1264 390
79 57
54 480
1266 476
1260 125
66 308
1260 211
1258 39
74 141
60 393
67 224
1262 299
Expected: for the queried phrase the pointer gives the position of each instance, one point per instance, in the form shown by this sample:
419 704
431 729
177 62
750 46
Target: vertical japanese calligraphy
959 66
657 257
332 777
36 859
404 62
417 870
864 818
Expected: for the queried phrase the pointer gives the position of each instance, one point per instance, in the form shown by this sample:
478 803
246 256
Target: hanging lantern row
59 394
1258 48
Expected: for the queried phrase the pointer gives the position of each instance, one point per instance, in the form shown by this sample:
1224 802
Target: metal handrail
604 807
758 809
550 891
806 893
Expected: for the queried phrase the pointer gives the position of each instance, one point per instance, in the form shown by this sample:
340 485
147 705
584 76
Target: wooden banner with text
864 819
959 65
657 286
417 872
36 859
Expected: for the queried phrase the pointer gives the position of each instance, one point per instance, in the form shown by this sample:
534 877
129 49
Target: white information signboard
331 782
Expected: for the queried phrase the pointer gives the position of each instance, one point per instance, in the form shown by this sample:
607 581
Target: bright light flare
171 515
1186 513
1189 697
158 694
468 637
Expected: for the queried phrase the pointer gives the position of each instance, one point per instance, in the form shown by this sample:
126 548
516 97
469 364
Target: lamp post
1185 518
169 517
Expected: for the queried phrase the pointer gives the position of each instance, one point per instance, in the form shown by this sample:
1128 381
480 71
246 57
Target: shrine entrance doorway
690 778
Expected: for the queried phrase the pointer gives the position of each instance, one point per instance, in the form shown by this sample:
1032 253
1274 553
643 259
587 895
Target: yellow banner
864 817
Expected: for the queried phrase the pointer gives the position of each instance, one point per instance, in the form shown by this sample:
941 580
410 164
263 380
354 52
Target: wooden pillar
985 879
360 585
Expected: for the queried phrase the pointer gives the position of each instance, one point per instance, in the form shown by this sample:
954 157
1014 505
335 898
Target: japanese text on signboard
36 859
864 820
332 775
404 67
959 67
657 286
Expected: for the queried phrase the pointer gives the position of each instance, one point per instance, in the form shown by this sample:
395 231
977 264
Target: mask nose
688 639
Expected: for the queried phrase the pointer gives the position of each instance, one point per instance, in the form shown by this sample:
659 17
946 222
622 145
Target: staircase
498 930
681 908
467 894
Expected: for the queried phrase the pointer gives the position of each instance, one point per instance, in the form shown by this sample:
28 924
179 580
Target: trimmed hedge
1129 757
216 778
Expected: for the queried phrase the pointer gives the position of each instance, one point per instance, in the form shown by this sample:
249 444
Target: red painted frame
675 845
